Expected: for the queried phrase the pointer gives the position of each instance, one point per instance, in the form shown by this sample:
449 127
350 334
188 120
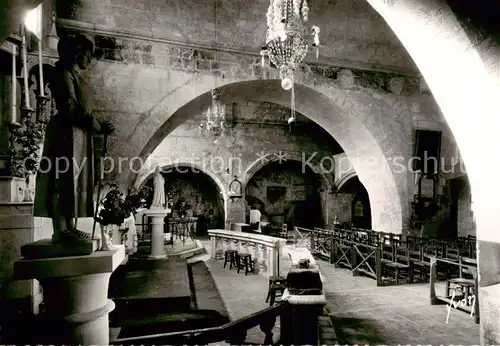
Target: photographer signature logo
470 301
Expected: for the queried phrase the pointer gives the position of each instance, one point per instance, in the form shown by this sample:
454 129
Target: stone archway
462 73
348 116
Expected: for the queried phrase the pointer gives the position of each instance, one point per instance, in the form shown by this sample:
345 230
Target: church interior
249 172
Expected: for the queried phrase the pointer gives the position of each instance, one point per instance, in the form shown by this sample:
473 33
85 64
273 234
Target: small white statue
130 240
106 238
159 192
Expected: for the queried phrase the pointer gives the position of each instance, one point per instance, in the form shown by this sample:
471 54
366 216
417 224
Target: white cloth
298 253
131 238
255 217
301 253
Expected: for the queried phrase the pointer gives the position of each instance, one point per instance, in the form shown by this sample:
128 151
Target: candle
40 67
14 85
25 73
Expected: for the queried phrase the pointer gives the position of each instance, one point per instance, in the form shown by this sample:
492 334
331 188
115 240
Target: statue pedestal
157 238
12 189
46 248
75 294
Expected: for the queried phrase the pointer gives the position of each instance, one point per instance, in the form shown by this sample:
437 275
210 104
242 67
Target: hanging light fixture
287 40
214 124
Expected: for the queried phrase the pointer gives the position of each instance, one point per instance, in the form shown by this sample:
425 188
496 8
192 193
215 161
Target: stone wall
351 30
148 85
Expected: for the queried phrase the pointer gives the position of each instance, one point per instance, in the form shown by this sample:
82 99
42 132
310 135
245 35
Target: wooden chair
284 231
273 281
465 281
421 266
400 266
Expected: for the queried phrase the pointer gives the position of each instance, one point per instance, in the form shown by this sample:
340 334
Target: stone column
157 236
75 291
299 321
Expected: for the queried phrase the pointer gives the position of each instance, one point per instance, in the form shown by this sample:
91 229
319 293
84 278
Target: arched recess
313 164
338 112
149 172
359 202
303 207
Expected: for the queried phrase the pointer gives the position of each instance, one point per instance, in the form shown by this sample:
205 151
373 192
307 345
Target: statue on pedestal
159 190
65 180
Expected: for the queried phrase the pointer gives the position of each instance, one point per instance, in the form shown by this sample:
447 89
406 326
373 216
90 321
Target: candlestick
25 72
40 67
14 85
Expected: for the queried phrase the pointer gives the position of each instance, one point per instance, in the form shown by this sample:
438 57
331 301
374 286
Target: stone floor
242 295
362 313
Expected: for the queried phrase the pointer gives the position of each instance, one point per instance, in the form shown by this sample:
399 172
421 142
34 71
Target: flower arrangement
114 208
138 199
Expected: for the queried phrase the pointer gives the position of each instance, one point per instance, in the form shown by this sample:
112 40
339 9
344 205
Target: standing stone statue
65 180
159 192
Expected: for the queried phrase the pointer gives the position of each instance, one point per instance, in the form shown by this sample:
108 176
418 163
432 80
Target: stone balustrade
266 251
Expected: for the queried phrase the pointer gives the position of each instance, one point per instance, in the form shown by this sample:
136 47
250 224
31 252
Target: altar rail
266 251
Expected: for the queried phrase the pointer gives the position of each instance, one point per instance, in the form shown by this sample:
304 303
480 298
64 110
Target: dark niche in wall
286 193
360 207
198 194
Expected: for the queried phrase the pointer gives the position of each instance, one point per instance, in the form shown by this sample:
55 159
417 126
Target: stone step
178 251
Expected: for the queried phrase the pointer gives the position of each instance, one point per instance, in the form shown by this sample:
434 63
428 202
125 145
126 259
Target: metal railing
234 332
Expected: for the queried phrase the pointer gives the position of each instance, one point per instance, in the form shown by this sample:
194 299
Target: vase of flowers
113 208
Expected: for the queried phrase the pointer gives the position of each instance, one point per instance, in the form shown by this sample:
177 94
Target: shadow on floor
356 331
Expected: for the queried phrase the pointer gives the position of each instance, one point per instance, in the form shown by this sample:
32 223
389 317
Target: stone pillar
157 236
299 321
75 291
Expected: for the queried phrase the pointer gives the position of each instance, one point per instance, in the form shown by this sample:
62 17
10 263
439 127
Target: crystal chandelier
287 37
215 123
287 40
